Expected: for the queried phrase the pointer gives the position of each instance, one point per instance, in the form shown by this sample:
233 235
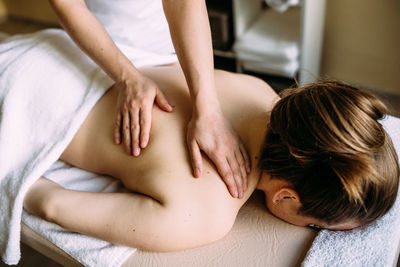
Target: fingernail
136 152
197 172
241 194
235 193
144 143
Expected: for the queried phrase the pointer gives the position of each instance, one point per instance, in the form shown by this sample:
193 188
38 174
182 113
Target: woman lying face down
325 161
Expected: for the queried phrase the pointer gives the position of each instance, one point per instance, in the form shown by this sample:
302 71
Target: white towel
376 245
287 69
44 98
87 250
282 5
272 35
48 86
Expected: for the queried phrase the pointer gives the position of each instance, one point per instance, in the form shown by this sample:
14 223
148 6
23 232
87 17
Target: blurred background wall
3 10
38 10
361 39
362 42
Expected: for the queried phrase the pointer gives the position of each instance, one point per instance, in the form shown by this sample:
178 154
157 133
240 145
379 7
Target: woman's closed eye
314 226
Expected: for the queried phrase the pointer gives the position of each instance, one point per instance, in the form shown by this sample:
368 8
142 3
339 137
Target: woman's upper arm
136 220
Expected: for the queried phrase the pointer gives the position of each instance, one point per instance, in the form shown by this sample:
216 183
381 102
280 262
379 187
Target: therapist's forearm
191 35
92 38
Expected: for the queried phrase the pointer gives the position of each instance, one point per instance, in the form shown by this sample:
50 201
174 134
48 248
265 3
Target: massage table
256 239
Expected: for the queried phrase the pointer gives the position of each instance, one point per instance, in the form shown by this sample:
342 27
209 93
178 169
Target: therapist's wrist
205 99
207 108
128 78
124 72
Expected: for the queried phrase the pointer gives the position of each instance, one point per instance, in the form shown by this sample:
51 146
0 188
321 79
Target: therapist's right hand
133 112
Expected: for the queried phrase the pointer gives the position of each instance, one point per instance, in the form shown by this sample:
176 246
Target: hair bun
356 173
326 140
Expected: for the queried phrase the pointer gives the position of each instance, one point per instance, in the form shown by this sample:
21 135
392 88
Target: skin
208 130
166 208
284 202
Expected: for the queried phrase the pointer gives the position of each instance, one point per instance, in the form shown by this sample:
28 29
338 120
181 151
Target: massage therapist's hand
214 135
134 110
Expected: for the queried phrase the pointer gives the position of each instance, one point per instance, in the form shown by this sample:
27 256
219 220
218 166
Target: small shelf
311 24
226 54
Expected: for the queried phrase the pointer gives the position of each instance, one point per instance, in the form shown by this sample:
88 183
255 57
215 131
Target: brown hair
325 139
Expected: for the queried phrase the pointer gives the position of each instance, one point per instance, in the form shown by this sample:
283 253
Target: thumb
196 158
162 101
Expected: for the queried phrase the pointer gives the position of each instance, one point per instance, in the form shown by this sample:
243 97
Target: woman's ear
285 194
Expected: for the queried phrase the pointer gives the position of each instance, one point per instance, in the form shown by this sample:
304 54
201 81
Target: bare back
163 171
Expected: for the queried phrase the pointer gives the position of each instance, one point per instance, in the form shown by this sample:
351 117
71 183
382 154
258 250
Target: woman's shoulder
201 208
245 82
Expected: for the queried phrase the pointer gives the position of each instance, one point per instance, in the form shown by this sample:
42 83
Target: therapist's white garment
135 23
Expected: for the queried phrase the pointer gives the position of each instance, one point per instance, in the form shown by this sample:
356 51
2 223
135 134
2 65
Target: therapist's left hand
214 135
134 109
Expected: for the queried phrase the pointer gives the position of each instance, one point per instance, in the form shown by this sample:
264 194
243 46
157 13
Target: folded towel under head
374 245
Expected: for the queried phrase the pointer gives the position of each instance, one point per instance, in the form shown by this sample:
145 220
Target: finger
162 101
117 128
237 176
224 170
245 156
135 131
196 158
126 133
242 168
145 126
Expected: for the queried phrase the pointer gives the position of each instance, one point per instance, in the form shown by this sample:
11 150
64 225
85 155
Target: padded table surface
256 239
